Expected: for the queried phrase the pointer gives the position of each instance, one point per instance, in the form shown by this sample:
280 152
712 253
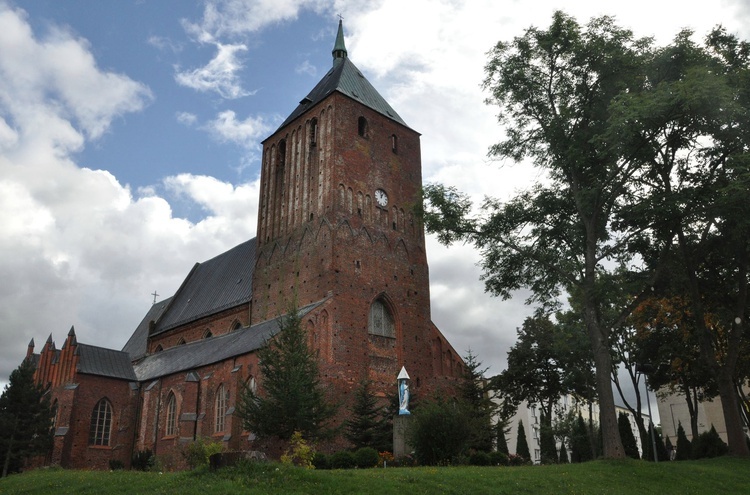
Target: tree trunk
730 407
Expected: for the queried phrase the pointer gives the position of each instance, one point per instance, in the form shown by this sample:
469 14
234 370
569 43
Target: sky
130 139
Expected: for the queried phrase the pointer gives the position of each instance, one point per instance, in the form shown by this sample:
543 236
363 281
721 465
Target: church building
336 236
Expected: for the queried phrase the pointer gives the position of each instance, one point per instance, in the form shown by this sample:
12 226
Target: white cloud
77 247
306 68
246 133
219 75
186 118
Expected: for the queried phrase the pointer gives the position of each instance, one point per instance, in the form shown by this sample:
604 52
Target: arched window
207 334
220 408
381 320
181 341
159 348
362 127
236 326
171 415
101 423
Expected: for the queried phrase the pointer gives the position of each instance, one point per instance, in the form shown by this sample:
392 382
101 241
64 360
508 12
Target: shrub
385 459
143 460
366 457
709 444
479 459
498 459
517 460
342 460
116 465
299 452
196 453
439 432
321 461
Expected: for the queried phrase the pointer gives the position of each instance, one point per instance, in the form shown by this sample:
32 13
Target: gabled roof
137 344
212 350
220 283
345 78
104 362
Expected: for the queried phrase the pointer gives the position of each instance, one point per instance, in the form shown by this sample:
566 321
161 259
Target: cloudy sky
130 131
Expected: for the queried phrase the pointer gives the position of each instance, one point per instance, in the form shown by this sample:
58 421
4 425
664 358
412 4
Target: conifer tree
292 397
580 445
563 453
684 448
364 428
547 447
25 419
479 405
522 446
626 434
502 443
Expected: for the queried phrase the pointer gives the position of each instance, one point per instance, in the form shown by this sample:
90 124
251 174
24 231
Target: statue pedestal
401 445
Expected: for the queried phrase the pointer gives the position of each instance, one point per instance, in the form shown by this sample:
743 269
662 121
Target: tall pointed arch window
171 427
220 408
381 320
101 423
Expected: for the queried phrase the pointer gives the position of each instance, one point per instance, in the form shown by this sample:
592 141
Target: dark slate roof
212 286
212 350
104 362
345 78
137 345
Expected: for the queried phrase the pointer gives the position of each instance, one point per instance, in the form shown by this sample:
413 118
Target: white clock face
381 197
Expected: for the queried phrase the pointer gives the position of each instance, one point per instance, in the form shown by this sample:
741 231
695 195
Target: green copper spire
339 48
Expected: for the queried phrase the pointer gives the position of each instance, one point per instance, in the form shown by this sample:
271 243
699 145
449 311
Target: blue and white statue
403 392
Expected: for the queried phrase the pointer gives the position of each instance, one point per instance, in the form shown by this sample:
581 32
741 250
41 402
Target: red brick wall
217 324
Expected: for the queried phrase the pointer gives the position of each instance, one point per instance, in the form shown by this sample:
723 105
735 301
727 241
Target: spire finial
339 48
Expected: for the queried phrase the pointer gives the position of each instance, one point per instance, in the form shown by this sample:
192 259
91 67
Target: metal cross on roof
155 294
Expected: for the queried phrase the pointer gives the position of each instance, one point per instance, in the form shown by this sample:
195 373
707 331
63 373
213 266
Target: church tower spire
339 48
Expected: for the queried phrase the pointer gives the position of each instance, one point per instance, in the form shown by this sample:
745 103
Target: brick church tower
340 179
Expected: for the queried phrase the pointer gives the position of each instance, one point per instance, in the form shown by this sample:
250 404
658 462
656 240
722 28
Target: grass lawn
723 475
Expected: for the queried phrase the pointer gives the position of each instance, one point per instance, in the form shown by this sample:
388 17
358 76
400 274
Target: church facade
336 237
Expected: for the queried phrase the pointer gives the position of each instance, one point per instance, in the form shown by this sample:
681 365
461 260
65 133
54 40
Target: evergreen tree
365 426
480 407
669 447
25 419
547 447
522 446
563 453
684 447
292 397
580 445
626 434
502 443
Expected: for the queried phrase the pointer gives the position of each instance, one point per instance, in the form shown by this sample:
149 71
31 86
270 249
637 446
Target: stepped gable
220 283
213 350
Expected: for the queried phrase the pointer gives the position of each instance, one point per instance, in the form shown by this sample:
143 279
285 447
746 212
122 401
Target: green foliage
480 408
563 454
366 457
628 439
365 427
502 442
440 431
299 452
709 444
197 453
321 461
143 460
293 398
522 446
684 448
25 419
480 458
342 459
116 464
580 442
547 447
498 459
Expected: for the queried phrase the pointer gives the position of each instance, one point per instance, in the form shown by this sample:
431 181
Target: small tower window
362 127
